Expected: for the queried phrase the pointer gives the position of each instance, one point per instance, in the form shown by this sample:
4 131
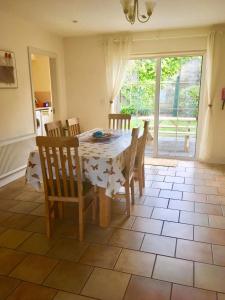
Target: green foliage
138 92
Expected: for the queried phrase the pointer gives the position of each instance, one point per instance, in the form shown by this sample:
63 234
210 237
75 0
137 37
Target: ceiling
104 16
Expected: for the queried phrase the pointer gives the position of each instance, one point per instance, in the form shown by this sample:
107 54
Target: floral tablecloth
103 162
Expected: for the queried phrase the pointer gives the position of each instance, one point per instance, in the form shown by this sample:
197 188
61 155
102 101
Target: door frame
158 58
53 76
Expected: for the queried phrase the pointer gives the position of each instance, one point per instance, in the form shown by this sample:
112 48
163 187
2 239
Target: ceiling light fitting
131 11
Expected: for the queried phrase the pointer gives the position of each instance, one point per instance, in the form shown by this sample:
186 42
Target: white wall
16 115
85 74
16 118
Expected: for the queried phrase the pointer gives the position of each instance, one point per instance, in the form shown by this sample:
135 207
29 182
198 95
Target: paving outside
171 247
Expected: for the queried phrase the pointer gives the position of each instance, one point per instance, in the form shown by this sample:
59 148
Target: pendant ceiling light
131 9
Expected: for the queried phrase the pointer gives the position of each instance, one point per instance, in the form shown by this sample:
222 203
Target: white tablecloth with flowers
103 162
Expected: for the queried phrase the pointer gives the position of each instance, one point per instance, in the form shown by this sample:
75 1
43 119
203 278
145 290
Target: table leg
104 208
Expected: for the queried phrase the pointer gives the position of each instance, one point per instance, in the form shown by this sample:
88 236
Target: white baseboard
16 174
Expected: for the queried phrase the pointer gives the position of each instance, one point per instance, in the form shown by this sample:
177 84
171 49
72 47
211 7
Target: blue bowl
98 134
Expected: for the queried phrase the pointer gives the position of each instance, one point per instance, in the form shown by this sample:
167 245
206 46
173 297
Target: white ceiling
104 16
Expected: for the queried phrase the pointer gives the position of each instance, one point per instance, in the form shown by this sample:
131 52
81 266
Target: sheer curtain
116 50
214 81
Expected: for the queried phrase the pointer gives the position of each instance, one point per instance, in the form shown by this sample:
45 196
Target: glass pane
137 96
178 105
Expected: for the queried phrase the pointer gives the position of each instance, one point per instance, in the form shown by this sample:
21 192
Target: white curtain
116 50
214 81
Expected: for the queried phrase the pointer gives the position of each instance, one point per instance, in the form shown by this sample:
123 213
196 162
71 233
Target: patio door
165 91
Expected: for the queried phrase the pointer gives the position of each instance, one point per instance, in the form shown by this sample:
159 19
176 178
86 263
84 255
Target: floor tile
156 202
210 277
194 197
29 291
106 285
181 205
127 239
141 211
68 276
9 259
218 255
69 249
151 192
178 230
38 225
4 215
101 256
39 211
206 208
154 177
159 244
180 292
171 194
122 221
173 270
7 286
174 179
162 185
209 235
194 218
34 268
24 207
28 196
206 189
147 289
221 297
95 234
147 225
19 221
12 238
8 204
165 214
37 243
214 199
217 221
183 187
68 296
194 251
135 262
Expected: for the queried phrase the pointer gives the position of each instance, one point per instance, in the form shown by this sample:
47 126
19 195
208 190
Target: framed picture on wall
8 76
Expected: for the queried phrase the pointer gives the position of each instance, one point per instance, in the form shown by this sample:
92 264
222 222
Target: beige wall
16 117
41 73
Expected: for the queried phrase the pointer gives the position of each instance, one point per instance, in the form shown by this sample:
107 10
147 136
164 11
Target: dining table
103 162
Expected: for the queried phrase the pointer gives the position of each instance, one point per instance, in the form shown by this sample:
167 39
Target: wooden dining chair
62 178
54 129
139 168
73 126
119 121
129 171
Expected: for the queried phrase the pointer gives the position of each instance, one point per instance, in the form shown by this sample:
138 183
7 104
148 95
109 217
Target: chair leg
132 190
48 218
127 190
94 209
81 223
140 182
143 175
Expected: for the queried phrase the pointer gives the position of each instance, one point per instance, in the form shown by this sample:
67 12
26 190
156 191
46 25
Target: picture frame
8 73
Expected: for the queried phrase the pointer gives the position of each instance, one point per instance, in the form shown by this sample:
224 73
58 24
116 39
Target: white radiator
14 154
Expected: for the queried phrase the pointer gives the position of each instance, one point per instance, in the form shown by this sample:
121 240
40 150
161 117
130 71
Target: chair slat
119 121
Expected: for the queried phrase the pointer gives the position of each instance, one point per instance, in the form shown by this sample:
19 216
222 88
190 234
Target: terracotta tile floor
171 248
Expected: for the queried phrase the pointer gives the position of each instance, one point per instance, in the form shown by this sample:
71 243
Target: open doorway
42 73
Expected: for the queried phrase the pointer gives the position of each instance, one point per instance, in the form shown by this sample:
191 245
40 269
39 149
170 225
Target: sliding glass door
166 91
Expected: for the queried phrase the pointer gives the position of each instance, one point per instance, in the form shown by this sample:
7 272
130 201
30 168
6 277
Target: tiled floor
172 247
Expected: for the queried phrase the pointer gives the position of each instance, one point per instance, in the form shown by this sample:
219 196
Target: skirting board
13 176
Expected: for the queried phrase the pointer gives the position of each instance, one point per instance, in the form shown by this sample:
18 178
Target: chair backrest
60 166
119 121
54 129
141 145
131 154
73 126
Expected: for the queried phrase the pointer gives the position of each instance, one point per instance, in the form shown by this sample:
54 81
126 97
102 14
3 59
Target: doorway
165 91
42 74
